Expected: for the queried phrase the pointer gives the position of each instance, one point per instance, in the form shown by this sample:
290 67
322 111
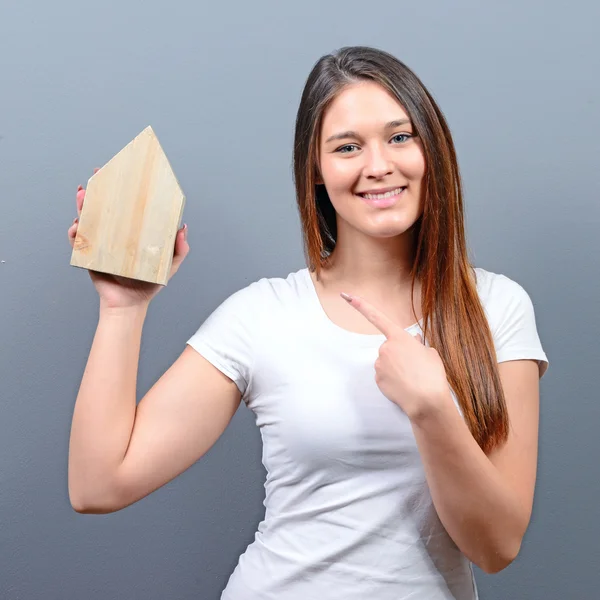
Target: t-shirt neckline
366 339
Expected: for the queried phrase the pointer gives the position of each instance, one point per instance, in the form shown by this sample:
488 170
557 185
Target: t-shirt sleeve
227 337
514 326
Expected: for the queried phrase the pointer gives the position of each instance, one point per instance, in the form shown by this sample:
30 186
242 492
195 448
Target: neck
380 266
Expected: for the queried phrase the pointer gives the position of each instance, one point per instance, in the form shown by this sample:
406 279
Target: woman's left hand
407 372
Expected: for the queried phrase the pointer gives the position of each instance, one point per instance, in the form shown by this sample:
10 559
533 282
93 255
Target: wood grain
131 213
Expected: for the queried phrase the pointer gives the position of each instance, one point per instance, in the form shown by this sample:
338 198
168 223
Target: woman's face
367 149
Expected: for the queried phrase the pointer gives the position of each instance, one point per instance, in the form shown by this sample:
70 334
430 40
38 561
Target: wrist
132 312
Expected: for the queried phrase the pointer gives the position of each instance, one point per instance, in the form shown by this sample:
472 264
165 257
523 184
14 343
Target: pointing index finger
372 314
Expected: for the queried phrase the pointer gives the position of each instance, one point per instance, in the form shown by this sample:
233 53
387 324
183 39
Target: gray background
220 84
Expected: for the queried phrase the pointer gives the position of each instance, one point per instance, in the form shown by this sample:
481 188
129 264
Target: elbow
504 551
91 508
499 560
98 503
77 504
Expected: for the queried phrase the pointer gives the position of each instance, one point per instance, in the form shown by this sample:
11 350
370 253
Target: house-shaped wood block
131 213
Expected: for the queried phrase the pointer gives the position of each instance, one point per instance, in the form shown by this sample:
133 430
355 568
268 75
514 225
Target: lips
383 200
381 193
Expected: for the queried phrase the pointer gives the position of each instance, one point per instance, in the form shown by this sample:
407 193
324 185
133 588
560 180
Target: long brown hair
454 321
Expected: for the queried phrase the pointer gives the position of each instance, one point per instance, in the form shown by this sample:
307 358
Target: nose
377 164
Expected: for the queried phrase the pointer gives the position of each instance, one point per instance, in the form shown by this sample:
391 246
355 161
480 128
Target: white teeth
382 196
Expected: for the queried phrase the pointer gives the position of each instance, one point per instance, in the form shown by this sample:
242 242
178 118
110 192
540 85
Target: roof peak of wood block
147 131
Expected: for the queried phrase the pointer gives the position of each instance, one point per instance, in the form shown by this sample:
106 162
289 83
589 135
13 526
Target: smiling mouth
384 196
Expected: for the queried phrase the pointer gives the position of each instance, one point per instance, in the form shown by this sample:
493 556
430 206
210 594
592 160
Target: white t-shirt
348 510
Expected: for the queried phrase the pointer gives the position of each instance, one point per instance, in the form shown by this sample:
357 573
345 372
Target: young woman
396 387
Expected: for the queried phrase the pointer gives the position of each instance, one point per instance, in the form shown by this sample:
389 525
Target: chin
388 230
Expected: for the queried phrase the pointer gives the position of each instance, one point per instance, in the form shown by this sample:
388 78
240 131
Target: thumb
181 249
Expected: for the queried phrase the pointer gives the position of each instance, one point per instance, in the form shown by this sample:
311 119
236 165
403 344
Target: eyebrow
350 134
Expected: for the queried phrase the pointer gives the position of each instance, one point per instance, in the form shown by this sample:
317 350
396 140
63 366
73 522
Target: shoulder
267 296
233 332
273 289
494 285
499 293
511 316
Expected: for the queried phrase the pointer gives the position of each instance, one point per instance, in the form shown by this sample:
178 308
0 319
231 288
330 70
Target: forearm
476 505
105 408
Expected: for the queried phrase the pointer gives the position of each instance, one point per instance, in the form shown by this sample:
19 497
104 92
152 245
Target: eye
342 149
402 135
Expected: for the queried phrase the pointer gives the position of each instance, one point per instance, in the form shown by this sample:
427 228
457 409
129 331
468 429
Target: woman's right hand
122 292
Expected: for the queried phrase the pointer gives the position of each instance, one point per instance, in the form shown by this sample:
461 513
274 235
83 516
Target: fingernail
185 231
346 297
79 188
